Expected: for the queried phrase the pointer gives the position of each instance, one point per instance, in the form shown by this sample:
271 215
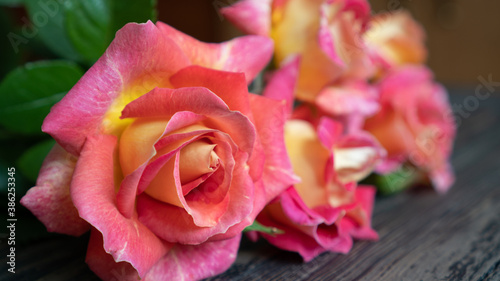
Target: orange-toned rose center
185 169
197 159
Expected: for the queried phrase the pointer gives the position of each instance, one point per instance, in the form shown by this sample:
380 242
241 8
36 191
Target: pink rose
326 210
349 102
327 35
415 124
165 159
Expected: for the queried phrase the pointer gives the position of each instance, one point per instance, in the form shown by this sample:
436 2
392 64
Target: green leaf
88 27
28 93
261 228
91 25
11 3
31 161
397 181
47 19
81 30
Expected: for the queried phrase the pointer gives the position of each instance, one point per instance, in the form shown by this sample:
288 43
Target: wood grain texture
423 235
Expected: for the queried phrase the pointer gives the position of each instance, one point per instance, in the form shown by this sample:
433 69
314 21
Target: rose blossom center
193 161
196 162
197 159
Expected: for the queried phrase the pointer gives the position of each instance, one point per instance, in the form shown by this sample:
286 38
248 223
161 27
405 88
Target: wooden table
423 235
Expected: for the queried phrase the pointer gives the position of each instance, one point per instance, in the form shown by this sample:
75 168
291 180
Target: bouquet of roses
165 156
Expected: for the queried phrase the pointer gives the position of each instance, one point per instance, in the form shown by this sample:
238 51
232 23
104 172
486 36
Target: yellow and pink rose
163 155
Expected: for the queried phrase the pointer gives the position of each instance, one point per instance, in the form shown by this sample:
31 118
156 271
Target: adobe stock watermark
30 29
472 102
11 219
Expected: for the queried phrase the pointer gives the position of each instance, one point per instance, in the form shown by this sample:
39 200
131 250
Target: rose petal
104 265
229 86
250 16
292 240
281 84
137 142
196 159
349 99
233 55
135 150
328 237
356 155
316 71
329 132
94 104
311 232
361 9
296 210
208 202
392 131
395 39
325 37
339 36
352 164
309 158
270 116
50 199
160 179
185 262
365 197
443 178
93 193
294 26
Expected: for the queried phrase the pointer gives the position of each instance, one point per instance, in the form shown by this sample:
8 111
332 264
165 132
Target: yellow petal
163 185
297 24
309 158
137 142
